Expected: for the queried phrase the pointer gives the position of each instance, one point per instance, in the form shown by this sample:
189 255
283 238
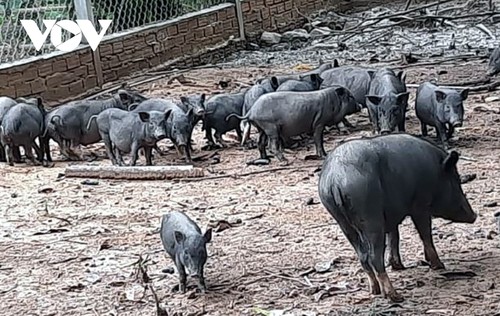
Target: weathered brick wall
278 15
61 77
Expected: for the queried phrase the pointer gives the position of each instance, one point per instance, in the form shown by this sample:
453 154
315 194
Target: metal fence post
83 10
239 15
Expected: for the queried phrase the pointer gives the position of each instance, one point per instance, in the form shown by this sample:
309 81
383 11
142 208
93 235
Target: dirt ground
70 248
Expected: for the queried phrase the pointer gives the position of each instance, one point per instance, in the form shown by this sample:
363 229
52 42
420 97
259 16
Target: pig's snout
160 134
466 214
385 131
199 112
182 148
457 124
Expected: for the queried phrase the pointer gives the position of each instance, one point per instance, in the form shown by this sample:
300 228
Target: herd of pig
368 185
281 108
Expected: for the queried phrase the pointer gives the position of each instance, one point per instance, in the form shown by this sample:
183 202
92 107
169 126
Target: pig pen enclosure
91 247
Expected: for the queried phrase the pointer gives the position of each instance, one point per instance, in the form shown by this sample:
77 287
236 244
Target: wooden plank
133 173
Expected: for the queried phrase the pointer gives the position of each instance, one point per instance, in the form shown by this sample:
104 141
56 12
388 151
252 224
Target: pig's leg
394 256
109 148
148 153
29 154
423 127
16 154
182 277
318 141
441 133
38 150
401 125
450 132
8 155
353 236
2 154
376 250
239 133
276 148
44 142
187 152
135 153
118 156
424 226
201 282
262 145
209 137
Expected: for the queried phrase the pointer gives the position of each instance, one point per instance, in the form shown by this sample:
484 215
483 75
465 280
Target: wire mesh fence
15 44
127 14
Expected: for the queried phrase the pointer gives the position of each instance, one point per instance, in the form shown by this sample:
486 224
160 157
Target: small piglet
186 245
441 108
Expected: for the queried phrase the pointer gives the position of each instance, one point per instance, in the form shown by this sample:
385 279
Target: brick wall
278 15
181 42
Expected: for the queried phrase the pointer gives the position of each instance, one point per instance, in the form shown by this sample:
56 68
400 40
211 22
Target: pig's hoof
397 266
437 266
259 162
395 297
312 157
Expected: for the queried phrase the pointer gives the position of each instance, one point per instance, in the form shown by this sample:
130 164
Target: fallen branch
486 87
133 173
238 175
408 11
442 61
160 311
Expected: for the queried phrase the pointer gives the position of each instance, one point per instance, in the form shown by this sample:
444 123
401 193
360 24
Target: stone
320 32
298 34
270 38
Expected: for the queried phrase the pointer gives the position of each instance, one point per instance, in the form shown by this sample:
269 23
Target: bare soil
69 248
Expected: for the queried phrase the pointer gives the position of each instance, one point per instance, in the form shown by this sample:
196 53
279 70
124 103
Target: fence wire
15 44
127 14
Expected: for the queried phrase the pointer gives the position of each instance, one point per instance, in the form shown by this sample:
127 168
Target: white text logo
81 27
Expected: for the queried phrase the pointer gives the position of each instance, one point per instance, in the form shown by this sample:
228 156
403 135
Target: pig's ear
132 106
371 73
202 98
335 63
374 99
402 98
401 75
274 83
315 78
179 237
440 96
464 94
450 161
144 116
208 235
124 96
184 100
167 114
190 112
341 91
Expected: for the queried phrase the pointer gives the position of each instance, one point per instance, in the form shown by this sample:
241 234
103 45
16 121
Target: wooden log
133 173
